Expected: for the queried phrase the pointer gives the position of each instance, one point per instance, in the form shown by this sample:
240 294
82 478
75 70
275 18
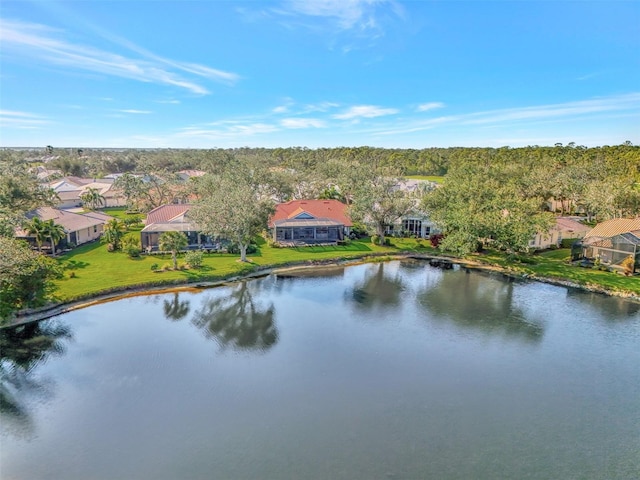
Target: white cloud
171 102
430 106
348 14
14 119
320 107
230 129
44 44
302 123
365 111
581 109
135 112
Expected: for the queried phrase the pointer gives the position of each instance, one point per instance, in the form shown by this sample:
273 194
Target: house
308 222
172 218
70 190
565 228
79 228
611 242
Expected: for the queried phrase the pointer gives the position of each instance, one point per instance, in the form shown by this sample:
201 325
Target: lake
391 370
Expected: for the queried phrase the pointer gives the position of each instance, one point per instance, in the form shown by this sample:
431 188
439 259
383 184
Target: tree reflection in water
175 309
616 309
22 349
236 320
378 290
477 301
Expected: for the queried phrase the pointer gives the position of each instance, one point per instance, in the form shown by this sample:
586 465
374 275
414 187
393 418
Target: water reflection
22 349
614 308
479 302
237 321
378 289
175 309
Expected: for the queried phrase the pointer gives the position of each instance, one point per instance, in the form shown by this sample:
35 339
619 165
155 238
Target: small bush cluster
194 258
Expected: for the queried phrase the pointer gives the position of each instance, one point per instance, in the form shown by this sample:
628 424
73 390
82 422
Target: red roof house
309 222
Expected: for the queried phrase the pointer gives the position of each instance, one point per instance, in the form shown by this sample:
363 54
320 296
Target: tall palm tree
173 242
38 229
55 232
92 198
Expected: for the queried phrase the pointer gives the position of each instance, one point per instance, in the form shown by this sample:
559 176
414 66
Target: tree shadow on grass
75 264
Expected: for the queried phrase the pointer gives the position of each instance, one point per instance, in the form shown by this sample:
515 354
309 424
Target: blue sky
319 73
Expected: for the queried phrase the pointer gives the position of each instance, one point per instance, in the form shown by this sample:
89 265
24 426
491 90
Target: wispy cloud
429 106
134 111
348 14
14 119
364 111
346 25
619 105
227 130
303 123
44 44
170 102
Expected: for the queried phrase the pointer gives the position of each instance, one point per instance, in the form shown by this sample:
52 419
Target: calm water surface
391 371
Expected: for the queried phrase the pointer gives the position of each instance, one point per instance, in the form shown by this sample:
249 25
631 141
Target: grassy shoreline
93 275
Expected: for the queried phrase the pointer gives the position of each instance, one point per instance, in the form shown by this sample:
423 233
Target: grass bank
90 270
554 265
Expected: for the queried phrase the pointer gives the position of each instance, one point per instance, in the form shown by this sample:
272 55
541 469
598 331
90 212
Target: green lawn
431 178
555 264
120 213
95 270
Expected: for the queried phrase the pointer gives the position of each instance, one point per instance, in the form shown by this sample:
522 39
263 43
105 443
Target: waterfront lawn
555 264
90 269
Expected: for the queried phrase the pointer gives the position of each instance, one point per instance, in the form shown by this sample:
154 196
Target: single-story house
414 224
308 222
612 241
172 218
79 227
564 228
70 189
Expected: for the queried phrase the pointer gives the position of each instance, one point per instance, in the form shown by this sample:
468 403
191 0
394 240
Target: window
411 226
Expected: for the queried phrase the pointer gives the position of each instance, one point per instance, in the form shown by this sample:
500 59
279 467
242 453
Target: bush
358 230
375 239
154 267
234 248
131 245
194 258
436 239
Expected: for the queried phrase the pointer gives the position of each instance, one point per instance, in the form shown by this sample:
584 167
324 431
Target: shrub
436 239
375 239
154 267
628 265
131 245
358 230
194 258
132 221
234 248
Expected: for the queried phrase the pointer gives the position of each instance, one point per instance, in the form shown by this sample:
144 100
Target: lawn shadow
75 264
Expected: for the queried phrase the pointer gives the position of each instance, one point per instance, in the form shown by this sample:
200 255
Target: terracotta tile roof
614 227
320 209
164 213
